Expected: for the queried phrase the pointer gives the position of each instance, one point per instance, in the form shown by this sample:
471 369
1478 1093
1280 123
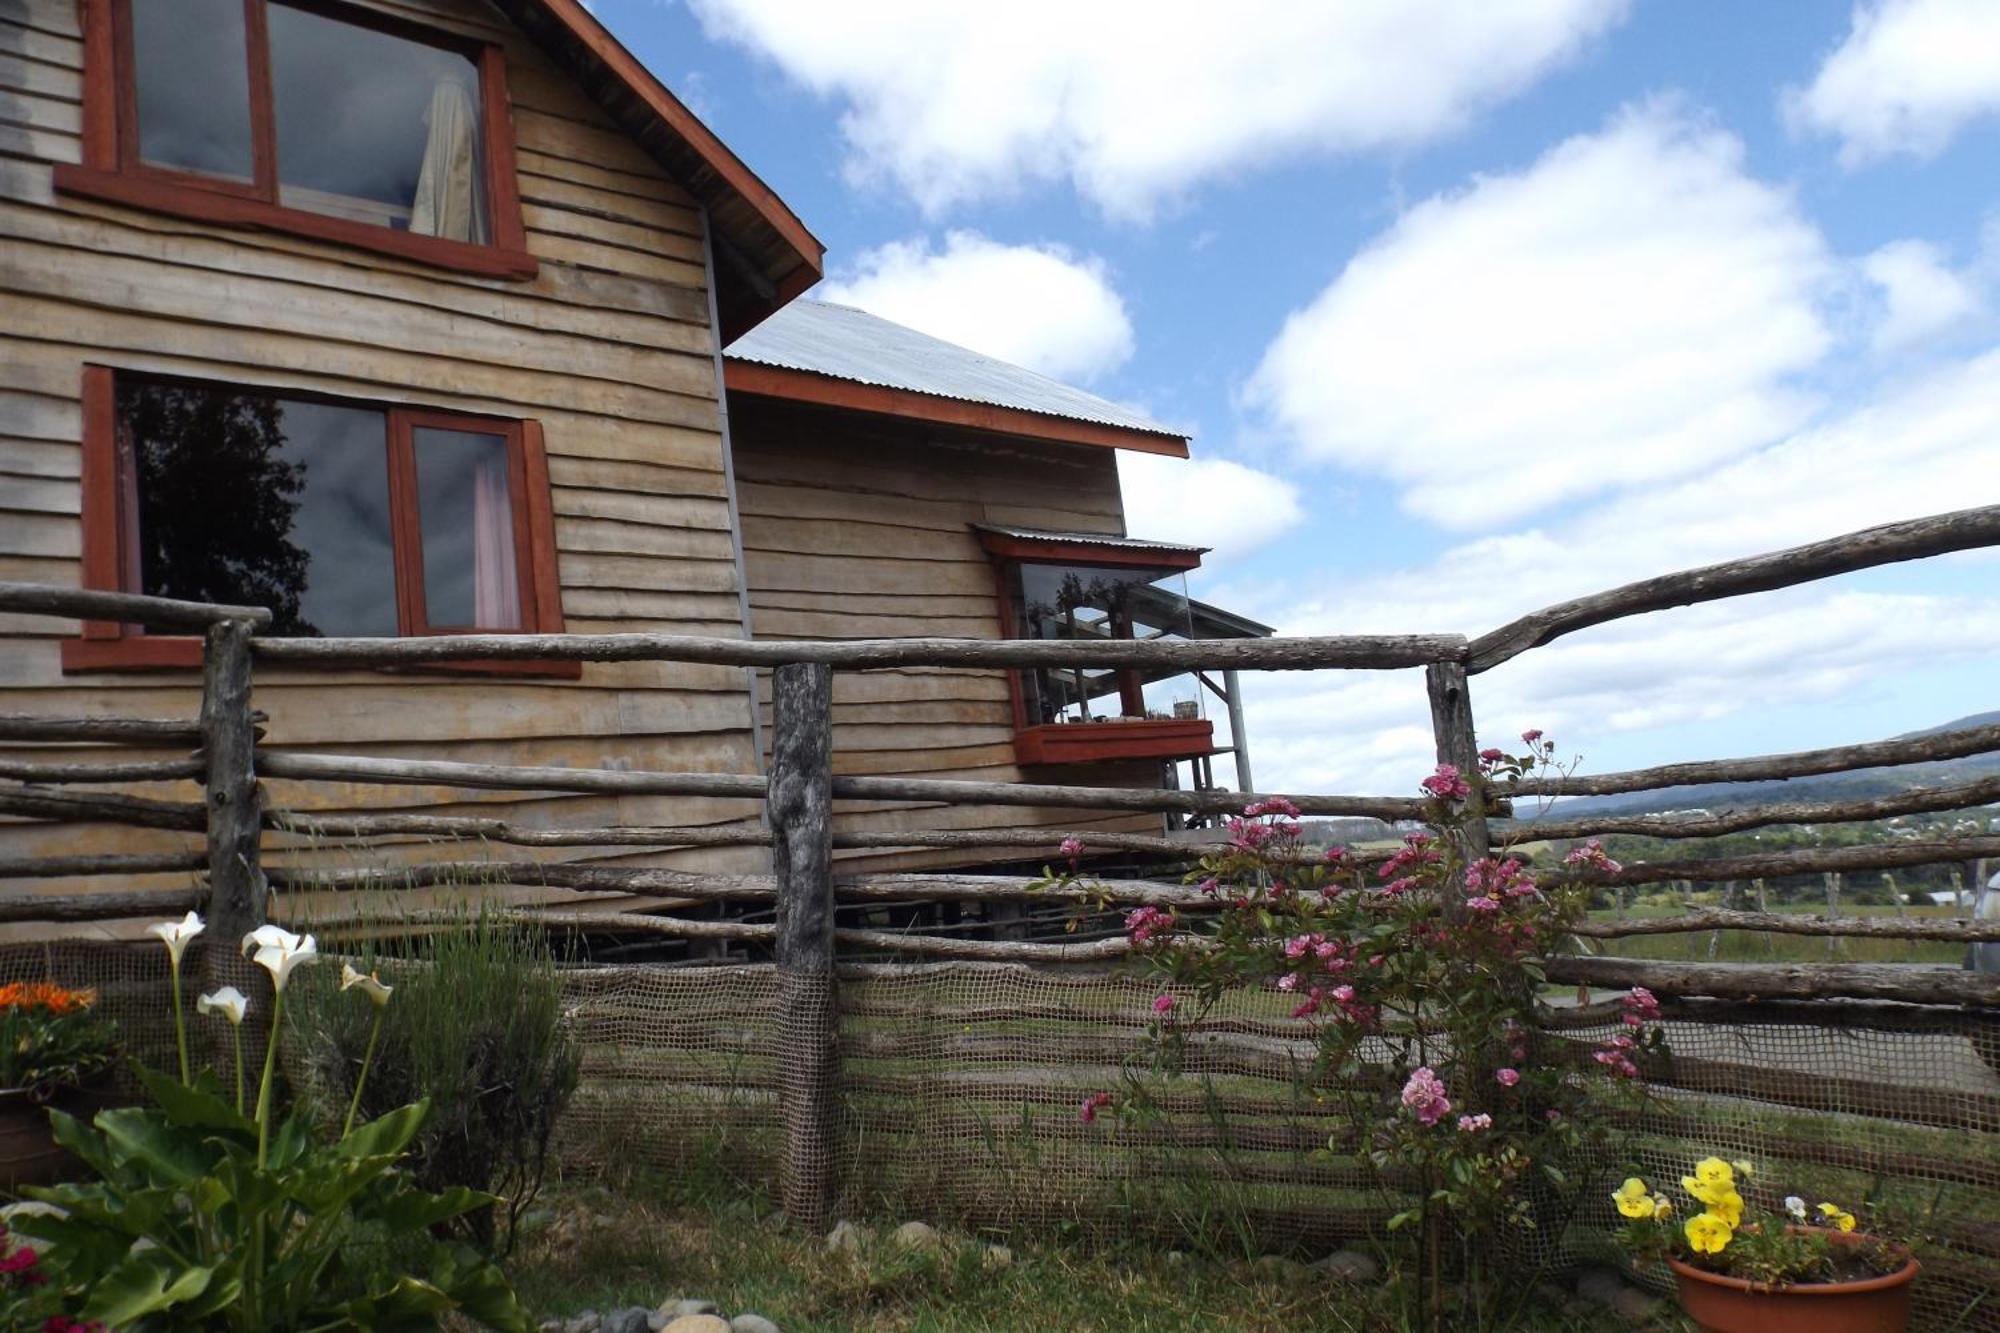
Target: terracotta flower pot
1723 1304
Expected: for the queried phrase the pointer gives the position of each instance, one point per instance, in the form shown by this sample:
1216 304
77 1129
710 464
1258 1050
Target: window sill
201 205
161 652
1097 742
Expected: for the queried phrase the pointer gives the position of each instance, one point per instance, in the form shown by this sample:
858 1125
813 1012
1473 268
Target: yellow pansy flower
1707 1233
1837 1216
1662 1209
1729 1208
1744 1169
1632 1198
1714 1172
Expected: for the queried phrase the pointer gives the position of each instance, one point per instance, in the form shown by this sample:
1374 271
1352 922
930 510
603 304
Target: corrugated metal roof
850 344
1087 539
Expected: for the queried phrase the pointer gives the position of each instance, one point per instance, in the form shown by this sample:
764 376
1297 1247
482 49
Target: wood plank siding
859 525
609 347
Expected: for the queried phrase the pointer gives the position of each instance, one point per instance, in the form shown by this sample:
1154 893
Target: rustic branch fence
841 1027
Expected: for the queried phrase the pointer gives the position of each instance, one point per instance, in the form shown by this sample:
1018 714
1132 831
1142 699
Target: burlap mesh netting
957 1091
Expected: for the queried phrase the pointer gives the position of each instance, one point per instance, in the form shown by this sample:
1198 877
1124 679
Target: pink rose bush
1417 973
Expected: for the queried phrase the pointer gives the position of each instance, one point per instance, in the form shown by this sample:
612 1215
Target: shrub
49 1038
1419 976
477 1029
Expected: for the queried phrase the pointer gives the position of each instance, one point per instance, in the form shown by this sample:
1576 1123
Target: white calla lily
270 937
370 983
231 1003
176 934
282 955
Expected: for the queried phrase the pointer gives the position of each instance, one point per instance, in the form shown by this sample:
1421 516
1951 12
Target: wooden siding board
608 347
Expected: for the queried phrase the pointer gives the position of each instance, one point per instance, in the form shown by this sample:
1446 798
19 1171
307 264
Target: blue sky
1468 309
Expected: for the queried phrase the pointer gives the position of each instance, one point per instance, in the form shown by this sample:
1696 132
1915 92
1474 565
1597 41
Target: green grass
593 1247
1750 946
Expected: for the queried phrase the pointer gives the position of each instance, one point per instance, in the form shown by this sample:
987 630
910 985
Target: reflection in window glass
1089 602
376 127
255 500
467 516
193 84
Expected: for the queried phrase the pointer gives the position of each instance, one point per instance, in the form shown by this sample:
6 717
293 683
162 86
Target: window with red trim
344 517
1074 589
304 115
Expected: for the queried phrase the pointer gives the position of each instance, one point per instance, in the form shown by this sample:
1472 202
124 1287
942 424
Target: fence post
236 888
799 809
1457 742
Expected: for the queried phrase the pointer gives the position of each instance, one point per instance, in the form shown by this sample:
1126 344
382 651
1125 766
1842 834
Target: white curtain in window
450 199
496 587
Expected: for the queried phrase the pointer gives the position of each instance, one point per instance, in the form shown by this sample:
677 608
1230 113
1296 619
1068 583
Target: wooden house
407 316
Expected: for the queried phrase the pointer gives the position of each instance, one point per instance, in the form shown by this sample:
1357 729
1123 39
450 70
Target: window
344 518
1084 587
305 115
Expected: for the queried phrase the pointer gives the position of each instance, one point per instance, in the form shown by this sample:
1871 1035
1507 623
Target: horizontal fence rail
244 843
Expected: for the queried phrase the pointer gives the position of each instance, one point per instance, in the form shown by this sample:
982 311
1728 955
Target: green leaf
144 1284
201 1106
82 1141
480 1289
145 1139
408 1210
387 1134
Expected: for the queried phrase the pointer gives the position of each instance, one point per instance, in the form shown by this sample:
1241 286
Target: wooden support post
1715 936
1832 909
1239 738
236 887
800 812
1458 744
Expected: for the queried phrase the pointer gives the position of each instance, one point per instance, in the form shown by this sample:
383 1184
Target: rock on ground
698 1323
1349 1266
752 1323
845 1238
632 1320
916 1236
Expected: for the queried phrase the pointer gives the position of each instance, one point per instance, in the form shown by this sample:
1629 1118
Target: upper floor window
306 115
344 518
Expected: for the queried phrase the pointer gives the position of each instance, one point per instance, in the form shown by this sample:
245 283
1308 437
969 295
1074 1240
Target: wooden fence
799 793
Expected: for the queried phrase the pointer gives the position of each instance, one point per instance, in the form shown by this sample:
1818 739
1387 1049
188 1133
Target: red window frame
110 534
1037 744
111 169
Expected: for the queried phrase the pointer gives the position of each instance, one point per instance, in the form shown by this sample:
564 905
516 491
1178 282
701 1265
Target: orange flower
45 995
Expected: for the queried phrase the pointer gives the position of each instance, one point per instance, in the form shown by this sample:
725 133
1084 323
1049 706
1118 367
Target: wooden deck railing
800 792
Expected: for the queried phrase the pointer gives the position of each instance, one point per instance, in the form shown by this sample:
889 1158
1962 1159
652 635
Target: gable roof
838 356
764 254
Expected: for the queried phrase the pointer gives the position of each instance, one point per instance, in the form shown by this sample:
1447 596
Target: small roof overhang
1086 548
764 255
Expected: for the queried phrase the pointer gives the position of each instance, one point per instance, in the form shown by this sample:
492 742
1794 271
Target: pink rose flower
1472 1124
1163 1004
1508 1077
1424 1094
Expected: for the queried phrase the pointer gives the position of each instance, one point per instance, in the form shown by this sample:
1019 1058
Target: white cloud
1910 74
1037 306
1921 295
1930 445
1628 310
1206 502
1135 102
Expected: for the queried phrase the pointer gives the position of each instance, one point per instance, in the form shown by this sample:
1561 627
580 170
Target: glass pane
193 79
257 500
466 510
1089 602
376 127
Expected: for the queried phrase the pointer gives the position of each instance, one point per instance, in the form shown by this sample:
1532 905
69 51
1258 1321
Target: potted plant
1802 1269
53 1047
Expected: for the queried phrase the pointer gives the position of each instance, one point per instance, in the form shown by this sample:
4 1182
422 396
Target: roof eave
806 386
782 255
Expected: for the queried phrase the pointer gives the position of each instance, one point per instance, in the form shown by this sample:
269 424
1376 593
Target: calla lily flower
370 984
279 951
176 934
231 1003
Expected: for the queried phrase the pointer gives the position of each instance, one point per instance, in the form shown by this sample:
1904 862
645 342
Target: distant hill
1858 784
